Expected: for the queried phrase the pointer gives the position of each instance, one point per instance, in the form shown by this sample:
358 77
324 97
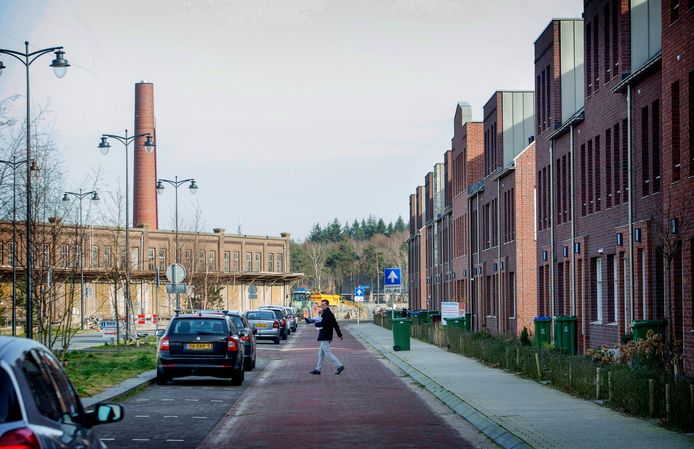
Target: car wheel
253 364
237 377
247 364
277 340
284 336
162 379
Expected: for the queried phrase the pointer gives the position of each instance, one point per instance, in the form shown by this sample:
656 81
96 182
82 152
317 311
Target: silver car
39 407
292 319
266 323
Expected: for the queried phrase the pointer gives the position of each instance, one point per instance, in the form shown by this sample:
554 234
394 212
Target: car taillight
245 338
164 344
22 438
276 324
231 344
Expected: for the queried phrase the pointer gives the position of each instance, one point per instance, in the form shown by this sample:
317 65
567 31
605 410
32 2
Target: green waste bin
416 318
542 329
565 333
468 322
401 334
640 328
458 321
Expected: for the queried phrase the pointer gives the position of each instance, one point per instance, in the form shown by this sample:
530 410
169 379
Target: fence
621 387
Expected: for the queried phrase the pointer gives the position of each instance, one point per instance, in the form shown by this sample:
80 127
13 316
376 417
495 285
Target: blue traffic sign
391 277
358 291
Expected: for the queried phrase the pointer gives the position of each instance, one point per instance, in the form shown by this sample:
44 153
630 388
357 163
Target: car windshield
238 322
197 326
278 313
261 315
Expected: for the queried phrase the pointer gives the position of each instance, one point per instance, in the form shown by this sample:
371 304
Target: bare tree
317 252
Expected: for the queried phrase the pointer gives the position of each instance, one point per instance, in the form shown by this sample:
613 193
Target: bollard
667 401
651 397
571 380
597 383
539 366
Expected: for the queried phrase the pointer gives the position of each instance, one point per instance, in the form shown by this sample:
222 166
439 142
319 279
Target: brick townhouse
612 182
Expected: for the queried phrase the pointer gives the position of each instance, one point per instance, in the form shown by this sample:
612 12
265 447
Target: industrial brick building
609 179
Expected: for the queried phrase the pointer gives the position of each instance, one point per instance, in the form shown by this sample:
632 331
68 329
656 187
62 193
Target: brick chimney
145 166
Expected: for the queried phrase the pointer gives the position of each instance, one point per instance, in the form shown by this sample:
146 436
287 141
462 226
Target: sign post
358 297
175 273
392 283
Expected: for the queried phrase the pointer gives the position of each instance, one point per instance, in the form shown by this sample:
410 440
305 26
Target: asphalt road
179 415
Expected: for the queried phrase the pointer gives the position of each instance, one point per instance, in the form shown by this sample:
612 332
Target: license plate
261 325
198 346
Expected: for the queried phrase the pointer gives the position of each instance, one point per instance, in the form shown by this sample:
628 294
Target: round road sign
175 273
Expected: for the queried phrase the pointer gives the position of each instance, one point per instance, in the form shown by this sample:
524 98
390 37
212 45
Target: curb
117 391
491 429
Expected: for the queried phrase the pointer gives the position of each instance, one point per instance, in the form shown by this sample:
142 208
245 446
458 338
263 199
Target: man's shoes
340 369
315 371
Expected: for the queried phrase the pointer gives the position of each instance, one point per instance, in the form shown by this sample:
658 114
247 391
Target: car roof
201 315
11 344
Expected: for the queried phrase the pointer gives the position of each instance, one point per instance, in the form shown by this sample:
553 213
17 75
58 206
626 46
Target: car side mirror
255 331
160 332
105 413
244 333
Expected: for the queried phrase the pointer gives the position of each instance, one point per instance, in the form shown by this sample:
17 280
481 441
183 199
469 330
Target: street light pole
60 66
80 196
104 146
193 187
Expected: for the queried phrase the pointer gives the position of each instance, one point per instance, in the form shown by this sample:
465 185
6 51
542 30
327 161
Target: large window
151 259
258 263
227 261
249 262
162 259
237 257
64 255
93 256
270 262
598 289
280 258
107 257
212 260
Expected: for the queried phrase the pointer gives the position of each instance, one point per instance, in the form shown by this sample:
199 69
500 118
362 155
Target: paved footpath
366 406
518 412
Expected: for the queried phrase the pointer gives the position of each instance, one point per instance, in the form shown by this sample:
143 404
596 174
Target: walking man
325 335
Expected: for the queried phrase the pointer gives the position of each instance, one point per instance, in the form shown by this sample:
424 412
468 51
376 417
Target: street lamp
14 164
60 66
104 146
80 196
193 187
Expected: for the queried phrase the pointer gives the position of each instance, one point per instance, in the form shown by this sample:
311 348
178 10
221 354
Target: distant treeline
364 230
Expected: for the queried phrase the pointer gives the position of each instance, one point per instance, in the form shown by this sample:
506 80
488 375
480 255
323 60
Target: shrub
525 337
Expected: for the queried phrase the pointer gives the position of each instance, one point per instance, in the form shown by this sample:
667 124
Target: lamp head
66 197
104 146
149 144
95 197
2 67
160 187
60 64
193 187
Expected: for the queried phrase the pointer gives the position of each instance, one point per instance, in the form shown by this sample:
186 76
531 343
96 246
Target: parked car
292 318
39 407
281 315
247 338
266 324
201 345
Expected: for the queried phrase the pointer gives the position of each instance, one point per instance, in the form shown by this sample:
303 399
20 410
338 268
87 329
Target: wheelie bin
401 334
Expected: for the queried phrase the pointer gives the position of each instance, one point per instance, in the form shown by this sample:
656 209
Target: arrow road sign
391 277
358 294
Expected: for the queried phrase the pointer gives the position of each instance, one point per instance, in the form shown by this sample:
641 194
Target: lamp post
60 66
80 196
104 146
14 164
193 187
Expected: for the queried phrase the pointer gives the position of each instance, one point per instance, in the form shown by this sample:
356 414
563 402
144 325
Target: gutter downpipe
573 230
551 233
630 209
499 315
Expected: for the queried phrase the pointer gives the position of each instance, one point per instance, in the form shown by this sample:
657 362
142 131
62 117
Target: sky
286 112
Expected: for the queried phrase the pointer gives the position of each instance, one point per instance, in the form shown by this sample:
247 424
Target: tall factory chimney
145 167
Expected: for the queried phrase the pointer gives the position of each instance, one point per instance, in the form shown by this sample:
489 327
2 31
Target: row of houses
576 197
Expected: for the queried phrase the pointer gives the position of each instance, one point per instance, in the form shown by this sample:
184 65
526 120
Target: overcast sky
287 112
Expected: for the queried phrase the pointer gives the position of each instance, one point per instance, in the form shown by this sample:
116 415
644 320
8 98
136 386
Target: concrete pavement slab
530 412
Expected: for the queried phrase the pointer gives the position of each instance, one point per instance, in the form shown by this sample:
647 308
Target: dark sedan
201 345
247 338
39 407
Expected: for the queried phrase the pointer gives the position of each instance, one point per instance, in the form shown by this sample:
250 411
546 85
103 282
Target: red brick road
367 406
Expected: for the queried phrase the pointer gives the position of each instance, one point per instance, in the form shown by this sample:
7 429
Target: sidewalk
538 415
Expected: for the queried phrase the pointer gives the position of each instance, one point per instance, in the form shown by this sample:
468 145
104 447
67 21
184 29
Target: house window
64 255
162 259
12 253
134 258
645 169
187 257
227 261
675 123
237 261
212 260
655 143
257 265
45 255
615 289
644 284
249 262
122 258
200 263
270 262
279 262
151 259
93 256
107 257
598 289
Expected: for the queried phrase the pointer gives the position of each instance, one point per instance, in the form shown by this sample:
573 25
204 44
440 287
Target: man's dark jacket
327 324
